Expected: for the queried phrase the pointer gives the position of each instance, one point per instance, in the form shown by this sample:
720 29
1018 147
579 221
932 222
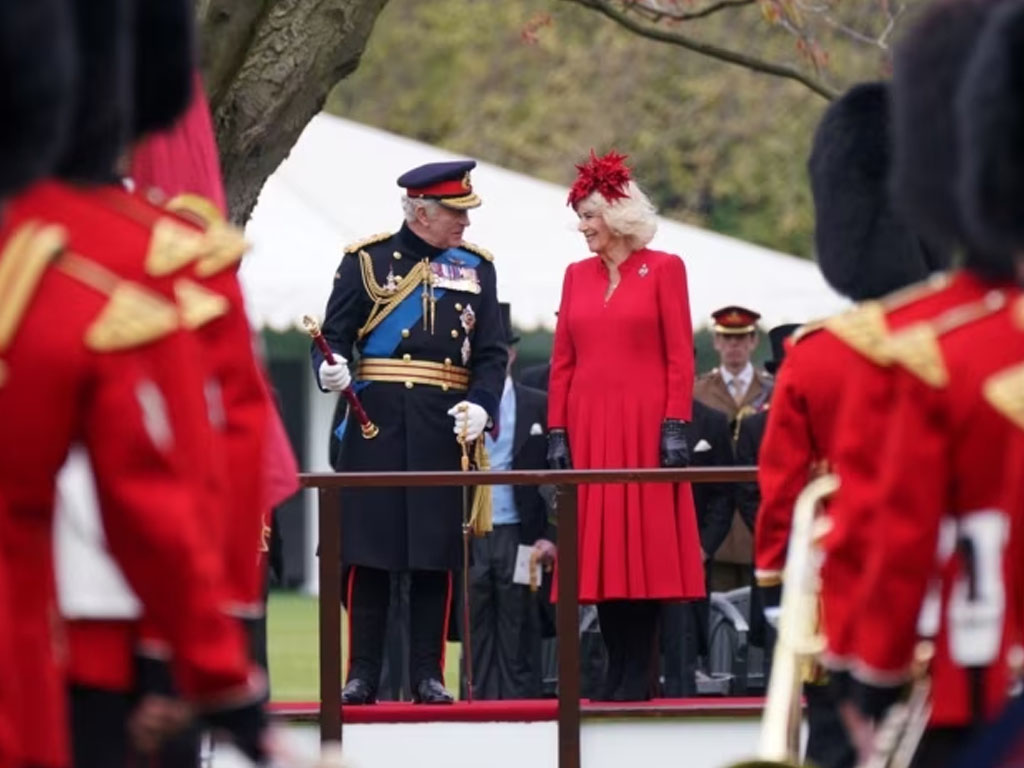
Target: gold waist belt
411 372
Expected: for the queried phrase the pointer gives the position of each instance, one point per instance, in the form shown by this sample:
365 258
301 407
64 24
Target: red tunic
76 372
619 368
860 432
940 495
797 439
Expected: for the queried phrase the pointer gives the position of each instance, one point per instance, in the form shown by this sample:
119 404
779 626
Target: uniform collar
415 246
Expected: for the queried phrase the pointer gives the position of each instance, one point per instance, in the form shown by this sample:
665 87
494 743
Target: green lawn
293 648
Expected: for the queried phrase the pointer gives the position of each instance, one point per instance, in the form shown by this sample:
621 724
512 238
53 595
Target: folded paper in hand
521 575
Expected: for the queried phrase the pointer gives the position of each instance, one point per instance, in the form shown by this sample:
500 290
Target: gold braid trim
385 302
29 250
1005 392
481 252
481 516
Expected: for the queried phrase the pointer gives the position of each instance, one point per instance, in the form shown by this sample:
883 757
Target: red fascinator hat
608 175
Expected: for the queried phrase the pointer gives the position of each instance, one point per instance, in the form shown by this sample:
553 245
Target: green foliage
714 144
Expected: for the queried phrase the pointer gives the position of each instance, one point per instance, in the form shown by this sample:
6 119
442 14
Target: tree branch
706 49
656 14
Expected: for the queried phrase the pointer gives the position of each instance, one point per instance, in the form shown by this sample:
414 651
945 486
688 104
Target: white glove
470 419
335 377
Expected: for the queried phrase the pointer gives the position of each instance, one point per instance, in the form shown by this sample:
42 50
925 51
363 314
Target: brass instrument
799 641
904 724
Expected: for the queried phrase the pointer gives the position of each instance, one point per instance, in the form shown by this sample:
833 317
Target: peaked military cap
448 183
735 320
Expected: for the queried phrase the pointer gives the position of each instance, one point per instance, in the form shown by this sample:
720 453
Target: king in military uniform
420 308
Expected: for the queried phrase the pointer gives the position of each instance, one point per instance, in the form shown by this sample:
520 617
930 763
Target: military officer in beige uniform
738 389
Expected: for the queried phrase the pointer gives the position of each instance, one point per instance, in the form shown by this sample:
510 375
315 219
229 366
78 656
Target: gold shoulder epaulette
483 253
916 348
220 245
133 314
132 317
198 305
1005 392
863 328
807 329
223 246
915 291
172 245
358 245
23 259
197 208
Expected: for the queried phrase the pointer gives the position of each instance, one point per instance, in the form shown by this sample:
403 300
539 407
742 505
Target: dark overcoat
401 528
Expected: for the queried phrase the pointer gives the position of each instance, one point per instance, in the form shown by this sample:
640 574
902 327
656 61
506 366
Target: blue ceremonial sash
385 338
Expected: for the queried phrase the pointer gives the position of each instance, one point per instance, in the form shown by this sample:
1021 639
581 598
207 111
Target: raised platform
524 711
697 733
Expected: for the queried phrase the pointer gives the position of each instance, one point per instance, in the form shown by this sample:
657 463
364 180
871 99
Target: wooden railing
567 617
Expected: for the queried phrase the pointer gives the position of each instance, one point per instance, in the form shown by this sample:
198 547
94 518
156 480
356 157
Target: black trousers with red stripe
368 591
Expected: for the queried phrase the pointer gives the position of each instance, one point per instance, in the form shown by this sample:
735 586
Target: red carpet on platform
525 711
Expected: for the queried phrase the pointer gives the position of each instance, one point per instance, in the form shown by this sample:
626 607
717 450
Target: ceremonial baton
368 428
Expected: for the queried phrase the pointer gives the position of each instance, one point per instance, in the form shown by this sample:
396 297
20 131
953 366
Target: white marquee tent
338 185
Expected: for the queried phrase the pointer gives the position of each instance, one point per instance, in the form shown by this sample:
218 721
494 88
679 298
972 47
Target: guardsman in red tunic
129 464
864 251
156 249
929 555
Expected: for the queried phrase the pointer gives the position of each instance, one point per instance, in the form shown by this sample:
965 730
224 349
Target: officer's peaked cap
990 111
864 248
928 67
448 183
735 320
37 71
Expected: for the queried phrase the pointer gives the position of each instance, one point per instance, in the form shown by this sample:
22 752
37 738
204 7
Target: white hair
633 218
412 204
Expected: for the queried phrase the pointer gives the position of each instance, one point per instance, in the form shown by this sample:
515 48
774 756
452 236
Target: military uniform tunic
411 528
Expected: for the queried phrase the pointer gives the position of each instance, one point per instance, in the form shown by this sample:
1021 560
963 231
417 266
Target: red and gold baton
368 428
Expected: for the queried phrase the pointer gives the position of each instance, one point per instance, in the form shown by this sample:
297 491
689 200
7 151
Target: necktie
736 387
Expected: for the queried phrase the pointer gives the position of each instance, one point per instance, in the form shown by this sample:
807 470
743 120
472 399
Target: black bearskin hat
864 248
990 108
103 100
928 68
36 87
164 62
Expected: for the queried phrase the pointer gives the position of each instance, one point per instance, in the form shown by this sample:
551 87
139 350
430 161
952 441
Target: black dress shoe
357 692
432 691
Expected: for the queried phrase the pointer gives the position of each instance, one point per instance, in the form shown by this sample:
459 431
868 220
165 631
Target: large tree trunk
268 67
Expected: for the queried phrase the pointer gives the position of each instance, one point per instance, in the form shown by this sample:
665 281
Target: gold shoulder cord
384 301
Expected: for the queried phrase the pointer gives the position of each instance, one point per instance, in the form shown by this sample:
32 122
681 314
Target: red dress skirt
619 368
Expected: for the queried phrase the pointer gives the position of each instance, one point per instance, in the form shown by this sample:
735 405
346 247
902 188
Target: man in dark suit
503 616
536 376
684 635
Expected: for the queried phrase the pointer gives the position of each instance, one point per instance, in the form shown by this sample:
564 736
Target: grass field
294 648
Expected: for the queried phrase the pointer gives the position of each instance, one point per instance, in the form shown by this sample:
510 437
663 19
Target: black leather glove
675 452
246 725
558 450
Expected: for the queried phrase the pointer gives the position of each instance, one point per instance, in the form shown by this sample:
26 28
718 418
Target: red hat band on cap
449 188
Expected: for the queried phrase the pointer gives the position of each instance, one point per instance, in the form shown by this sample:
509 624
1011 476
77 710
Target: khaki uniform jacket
711 390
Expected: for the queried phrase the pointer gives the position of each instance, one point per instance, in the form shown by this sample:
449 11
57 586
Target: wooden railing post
329 525
568 628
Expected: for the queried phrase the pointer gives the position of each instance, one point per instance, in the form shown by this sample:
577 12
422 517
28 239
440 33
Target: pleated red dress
619 368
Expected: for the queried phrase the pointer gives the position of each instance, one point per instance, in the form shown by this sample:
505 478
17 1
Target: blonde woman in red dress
620 395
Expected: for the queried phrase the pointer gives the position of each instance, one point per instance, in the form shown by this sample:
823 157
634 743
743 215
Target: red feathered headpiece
608 175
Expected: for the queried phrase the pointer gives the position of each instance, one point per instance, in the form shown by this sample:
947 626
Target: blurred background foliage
532 85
